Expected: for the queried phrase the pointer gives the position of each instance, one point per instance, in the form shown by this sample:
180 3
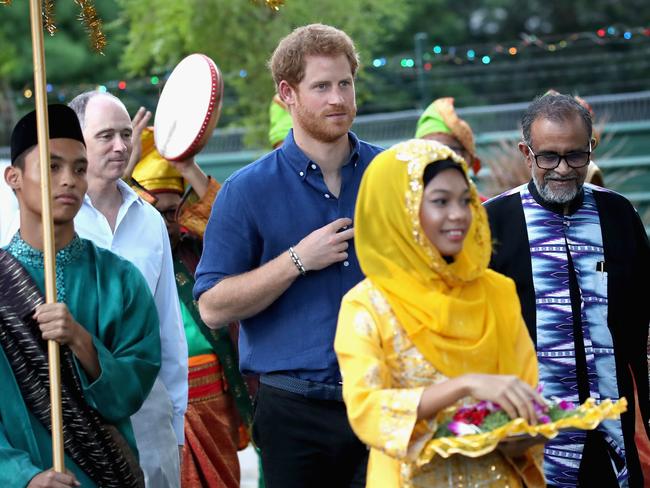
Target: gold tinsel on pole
93 23
88 16
272 4
48 16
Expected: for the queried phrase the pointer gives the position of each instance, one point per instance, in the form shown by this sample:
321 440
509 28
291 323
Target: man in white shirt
114 217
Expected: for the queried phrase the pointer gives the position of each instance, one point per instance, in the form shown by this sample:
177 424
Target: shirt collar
557 208
299 161
31 256
129 196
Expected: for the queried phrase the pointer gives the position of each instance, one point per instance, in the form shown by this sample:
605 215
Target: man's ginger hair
288 60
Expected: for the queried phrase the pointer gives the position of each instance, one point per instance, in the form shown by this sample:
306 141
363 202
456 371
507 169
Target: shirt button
327 195
302 173
313 166
346 263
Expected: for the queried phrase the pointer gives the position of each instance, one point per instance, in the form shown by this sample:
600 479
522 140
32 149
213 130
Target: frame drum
188 108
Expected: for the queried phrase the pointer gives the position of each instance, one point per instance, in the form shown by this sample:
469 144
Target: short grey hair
558 108
80 102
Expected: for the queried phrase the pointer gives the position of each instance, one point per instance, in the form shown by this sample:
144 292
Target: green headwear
430 122
441 117
280 121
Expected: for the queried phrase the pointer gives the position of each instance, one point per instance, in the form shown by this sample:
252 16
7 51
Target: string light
458 55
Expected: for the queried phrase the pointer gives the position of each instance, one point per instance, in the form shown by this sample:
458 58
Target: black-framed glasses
551 160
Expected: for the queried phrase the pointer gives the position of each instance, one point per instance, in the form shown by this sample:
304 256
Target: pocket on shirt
600 284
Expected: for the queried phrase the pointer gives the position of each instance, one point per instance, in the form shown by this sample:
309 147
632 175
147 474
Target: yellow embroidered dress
417 320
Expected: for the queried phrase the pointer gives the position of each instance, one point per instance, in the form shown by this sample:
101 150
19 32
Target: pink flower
489 406
544 419
461 428
566 405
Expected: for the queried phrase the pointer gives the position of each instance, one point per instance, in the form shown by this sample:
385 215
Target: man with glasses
580 258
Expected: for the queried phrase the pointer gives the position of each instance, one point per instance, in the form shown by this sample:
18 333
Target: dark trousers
306 443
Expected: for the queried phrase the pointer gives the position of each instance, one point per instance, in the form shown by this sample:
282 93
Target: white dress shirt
141 237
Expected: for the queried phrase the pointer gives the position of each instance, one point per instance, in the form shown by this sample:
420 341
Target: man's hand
326 245
51 479
139 122
184 164
192 175
56 323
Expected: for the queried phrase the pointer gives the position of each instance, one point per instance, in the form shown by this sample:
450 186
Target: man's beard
557 196
319 128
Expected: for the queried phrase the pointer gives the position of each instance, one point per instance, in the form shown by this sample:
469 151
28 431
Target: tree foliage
241 36
152 37
68 56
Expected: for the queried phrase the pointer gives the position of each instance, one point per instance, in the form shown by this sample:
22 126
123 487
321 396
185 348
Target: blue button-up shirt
260 211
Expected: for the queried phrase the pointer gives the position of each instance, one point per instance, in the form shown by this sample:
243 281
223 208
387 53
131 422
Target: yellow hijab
449 311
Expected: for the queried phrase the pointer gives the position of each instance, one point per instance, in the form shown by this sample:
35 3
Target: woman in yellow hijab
431 326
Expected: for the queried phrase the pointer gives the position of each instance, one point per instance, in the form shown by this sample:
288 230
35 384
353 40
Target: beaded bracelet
296 260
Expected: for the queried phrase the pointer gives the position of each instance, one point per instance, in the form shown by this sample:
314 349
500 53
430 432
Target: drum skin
189 107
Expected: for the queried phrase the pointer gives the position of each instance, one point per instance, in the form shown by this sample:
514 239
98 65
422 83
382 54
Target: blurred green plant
241 36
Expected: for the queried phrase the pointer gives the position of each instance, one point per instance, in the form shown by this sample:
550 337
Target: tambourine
188 108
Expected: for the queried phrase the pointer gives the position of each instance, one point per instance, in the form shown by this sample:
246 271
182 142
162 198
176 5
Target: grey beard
554 197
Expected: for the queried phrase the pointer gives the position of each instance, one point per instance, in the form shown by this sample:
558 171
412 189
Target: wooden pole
49 256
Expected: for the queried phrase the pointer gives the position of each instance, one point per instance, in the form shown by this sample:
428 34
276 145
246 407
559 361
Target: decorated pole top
87 15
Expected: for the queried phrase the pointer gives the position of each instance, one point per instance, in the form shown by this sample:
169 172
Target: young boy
105 321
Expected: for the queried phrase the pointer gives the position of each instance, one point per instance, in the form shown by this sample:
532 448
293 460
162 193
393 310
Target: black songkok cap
63 122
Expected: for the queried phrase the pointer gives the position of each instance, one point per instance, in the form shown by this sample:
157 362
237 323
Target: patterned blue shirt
260 211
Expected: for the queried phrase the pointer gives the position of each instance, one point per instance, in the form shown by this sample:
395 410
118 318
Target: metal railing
387 128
